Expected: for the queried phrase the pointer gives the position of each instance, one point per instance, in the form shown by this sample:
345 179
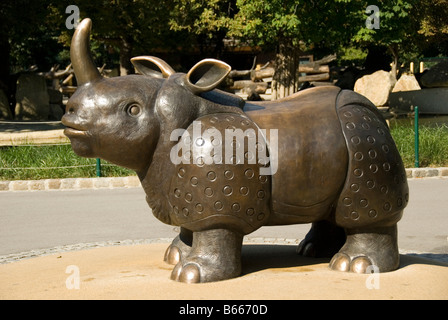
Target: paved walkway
37 220
270 272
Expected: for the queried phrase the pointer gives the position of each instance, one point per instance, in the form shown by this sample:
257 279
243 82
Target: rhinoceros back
208 190
376 186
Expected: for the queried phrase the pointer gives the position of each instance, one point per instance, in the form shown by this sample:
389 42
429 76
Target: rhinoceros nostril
71 110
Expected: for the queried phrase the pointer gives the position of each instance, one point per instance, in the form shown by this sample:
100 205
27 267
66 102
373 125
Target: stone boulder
5 111
32 99
437 76
376 87
407 82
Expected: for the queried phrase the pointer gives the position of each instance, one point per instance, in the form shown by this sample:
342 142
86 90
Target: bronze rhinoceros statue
220 167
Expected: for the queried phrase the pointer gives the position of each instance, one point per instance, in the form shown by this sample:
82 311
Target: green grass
46 162
433 145
15 162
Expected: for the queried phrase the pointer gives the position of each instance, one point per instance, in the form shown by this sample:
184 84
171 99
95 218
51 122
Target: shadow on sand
258 257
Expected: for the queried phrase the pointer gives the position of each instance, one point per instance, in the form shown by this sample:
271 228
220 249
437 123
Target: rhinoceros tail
375 190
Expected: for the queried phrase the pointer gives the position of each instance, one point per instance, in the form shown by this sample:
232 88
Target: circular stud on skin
223 192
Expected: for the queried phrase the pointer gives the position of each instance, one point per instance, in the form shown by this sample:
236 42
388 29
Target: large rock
32 99
407 82
5 111
376 87
437 76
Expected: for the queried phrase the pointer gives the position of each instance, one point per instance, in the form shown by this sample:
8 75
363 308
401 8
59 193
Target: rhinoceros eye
133 110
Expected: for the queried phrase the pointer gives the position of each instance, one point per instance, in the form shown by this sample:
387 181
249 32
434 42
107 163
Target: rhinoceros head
123 119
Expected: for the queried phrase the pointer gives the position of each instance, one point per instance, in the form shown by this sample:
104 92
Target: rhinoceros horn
85 69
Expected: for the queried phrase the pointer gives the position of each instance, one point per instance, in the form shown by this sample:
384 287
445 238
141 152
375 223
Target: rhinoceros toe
189 273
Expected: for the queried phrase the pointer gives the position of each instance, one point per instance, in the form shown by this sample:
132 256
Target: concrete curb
134 182
70 184
427 172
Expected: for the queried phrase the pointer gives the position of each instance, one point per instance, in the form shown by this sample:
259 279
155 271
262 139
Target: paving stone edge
134 182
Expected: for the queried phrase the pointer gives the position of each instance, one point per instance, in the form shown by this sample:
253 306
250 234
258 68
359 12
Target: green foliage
395 23
29 37
200 17
301 22
351 53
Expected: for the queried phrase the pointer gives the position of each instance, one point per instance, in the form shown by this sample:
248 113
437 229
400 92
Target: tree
204 23
27 39
395 30
128 27
432 25
291 27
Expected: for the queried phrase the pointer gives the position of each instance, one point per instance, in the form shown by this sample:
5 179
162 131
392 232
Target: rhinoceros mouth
72 132
73 129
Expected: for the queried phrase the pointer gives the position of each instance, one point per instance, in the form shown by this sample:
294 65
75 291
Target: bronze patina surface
220 168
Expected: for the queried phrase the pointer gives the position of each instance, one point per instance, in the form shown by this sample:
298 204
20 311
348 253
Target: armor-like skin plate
229 191
375 190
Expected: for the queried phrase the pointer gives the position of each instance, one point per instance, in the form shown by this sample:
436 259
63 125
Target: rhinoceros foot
215 255
322 241
367 251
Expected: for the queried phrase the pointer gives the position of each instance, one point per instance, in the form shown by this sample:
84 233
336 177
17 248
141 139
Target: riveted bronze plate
376 187
214 187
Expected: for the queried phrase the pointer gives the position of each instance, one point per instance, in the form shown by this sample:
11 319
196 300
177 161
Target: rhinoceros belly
312 156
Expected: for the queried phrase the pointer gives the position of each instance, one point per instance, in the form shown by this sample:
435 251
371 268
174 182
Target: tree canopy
34 31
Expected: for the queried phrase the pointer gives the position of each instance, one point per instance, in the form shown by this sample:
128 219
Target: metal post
98 167
416 138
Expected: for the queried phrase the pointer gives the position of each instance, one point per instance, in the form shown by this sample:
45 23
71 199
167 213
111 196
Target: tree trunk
125 57
394 50
285 80
7 85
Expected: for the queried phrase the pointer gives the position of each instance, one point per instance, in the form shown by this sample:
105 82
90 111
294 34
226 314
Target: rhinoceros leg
215 255
180 247
322 241
364 248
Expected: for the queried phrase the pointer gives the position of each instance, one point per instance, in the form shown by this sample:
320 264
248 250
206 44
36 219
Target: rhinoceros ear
206 75
152 66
